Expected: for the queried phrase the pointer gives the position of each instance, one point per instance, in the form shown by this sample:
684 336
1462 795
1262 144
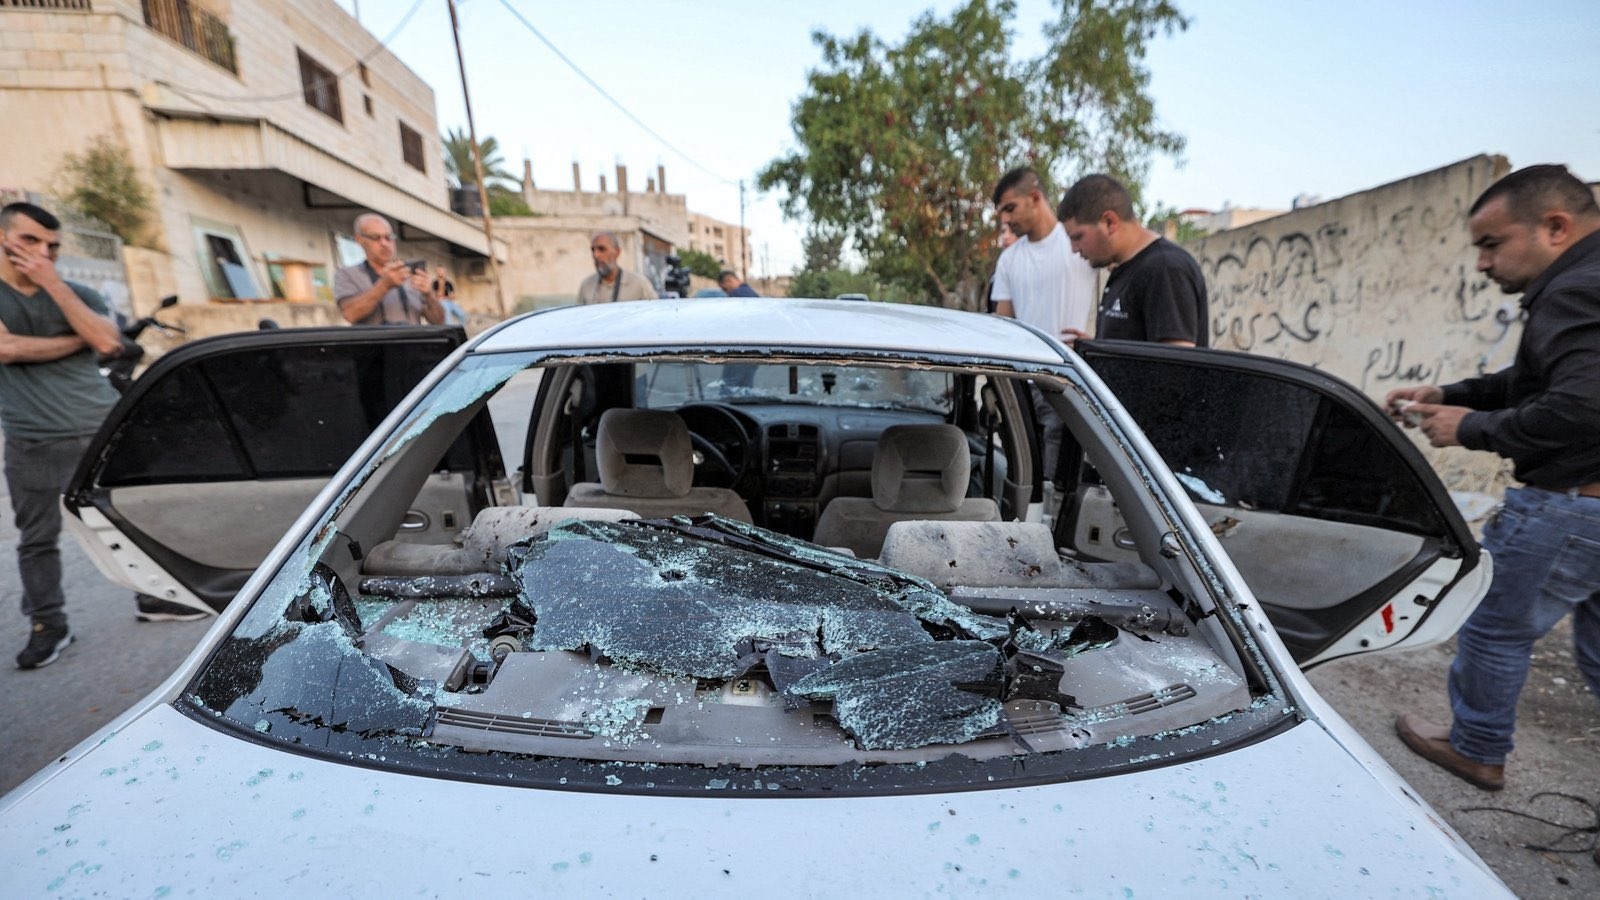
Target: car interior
920 471
517 547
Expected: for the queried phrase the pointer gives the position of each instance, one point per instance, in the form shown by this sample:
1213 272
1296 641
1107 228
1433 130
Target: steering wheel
717 432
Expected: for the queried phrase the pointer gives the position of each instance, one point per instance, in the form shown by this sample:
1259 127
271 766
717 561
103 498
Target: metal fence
56 5
198 29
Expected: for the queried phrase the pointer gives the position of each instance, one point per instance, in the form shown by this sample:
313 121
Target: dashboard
788 461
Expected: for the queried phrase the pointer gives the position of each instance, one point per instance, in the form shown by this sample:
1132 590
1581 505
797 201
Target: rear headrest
921 468
644 453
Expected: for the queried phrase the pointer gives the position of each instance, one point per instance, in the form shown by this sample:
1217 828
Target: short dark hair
37 213
727 273
1535 190
1021 179
1094 196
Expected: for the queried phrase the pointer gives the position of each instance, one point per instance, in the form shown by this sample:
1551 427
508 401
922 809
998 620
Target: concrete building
1213 221
261 128
549 252
728 243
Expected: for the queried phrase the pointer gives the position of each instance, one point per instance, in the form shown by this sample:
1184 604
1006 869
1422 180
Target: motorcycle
118 368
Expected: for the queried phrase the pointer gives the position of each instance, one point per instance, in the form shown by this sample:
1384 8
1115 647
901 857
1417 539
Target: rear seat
481 547
1000 555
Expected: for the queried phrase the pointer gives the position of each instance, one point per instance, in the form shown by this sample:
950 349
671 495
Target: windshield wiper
716 529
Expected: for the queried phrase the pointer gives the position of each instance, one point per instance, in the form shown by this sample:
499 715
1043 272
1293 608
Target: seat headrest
644 453
920 469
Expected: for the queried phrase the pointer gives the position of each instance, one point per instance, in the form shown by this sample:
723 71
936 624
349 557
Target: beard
604 270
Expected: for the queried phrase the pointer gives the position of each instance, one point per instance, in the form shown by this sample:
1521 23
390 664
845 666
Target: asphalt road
116 660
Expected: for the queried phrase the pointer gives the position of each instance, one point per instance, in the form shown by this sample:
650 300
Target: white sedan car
706 597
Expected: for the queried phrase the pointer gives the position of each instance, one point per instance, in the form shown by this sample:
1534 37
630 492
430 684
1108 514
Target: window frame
320 87
411 150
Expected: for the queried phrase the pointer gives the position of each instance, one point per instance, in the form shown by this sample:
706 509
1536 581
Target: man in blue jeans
1537 231
52 401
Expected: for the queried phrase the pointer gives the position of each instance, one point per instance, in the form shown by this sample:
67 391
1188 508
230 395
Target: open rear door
1340 527
222 443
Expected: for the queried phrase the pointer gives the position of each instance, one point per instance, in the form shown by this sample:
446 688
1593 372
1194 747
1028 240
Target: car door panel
1298 562
202 518
215 451
1336 522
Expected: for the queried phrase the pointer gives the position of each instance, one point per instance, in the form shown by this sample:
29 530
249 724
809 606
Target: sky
1275 99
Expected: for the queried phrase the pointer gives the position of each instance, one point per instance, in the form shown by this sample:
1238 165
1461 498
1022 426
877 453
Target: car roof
759 322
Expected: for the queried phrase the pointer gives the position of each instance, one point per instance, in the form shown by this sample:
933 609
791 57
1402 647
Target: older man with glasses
381 289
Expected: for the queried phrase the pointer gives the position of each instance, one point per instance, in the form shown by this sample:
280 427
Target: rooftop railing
55 5
198 29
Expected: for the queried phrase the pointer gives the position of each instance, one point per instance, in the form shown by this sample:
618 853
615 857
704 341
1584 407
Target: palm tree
458 162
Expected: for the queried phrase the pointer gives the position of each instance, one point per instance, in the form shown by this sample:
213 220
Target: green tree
700 263
823 250
458 162
833 282
1183 231
503 188
898 147
505 202
102 183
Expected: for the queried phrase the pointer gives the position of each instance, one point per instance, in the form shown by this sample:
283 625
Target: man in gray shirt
610 282
383 290
52 401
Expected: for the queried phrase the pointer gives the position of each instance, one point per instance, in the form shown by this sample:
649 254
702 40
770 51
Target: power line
606 94
196 95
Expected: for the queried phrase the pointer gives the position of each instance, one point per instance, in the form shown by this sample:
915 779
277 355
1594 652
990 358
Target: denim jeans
1546 547
36 474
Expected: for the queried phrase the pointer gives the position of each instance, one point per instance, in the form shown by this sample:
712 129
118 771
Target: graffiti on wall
1379 288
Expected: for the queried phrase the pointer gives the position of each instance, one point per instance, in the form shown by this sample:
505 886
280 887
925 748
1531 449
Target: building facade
549 252
727 243
261 129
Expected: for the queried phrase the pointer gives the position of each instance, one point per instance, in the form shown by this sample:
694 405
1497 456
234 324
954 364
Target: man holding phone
383 289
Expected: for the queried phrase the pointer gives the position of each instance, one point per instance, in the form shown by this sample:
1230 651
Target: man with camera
381 289
611 283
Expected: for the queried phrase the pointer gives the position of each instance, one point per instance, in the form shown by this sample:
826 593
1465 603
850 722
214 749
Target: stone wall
665 214
1379 288
547 257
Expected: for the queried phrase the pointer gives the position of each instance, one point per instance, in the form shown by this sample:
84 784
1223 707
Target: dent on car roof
800 324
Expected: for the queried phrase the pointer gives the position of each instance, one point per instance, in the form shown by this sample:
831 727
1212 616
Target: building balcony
198 29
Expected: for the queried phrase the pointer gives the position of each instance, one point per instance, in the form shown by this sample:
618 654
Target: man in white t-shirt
1040 280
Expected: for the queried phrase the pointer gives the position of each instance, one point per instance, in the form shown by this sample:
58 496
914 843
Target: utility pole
477 164
744 250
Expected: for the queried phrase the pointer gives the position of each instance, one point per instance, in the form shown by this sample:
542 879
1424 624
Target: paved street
116 660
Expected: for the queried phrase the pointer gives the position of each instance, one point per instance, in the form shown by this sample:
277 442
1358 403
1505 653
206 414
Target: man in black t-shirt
1155 292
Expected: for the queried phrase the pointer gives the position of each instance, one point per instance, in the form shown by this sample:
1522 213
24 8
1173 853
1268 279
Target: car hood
167 804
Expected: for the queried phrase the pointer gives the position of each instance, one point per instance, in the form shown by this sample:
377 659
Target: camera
675 283
417 265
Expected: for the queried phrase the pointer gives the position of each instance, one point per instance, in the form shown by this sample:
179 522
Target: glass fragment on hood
660 600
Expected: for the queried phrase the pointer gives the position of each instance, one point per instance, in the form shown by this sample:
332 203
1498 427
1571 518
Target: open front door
1338 524
218 448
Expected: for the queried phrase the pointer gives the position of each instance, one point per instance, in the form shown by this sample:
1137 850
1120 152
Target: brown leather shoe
1432 743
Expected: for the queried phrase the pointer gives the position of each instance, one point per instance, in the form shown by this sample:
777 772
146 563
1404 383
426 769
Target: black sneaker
155 609
44 645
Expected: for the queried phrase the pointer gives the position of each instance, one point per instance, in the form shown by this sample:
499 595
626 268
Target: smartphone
417 265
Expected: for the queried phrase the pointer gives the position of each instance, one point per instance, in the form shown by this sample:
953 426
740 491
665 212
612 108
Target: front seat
918 472
646 465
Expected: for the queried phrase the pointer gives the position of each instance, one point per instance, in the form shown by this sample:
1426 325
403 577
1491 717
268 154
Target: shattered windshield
702 639
661 601
588 638
667 385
